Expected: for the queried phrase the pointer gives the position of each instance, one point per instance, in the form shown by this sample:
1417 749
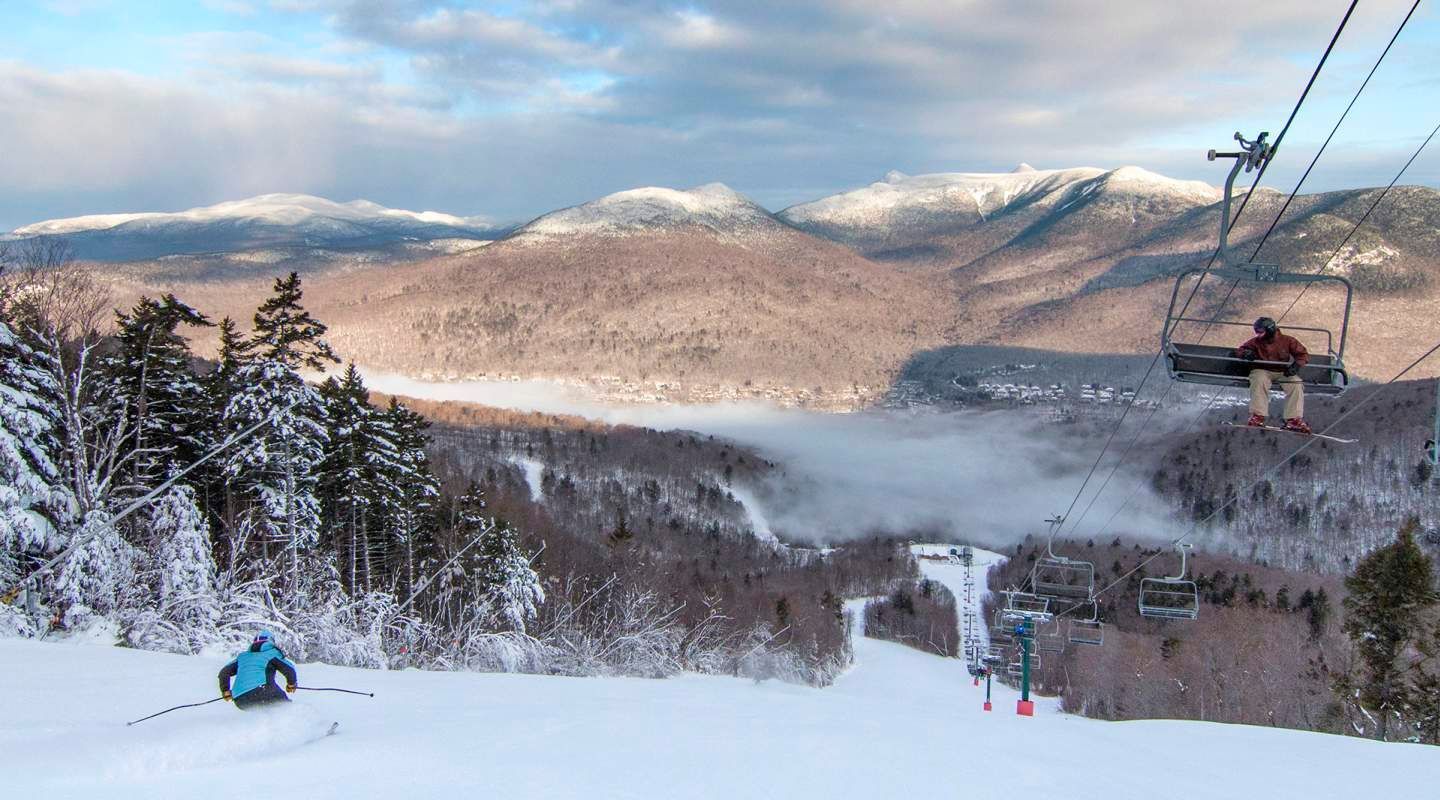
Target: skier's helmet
264 636
1266 326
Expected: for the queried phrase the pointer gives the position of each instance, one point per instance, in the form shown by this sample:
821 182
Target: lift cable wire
1274 148
1190 427
1263 476
1363 218
1074 527
1296 191
1333 131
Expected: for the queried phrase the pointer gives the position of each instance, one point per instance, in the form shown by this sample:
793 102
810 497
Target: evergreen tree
507 584
286 333
409 522
150 383
35 505
98 579
221 385
1390 593
185 568
357 488
275 470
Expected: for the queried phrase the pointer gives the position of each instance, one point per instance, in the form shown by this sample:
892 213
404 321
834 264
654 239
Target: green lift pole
1025 707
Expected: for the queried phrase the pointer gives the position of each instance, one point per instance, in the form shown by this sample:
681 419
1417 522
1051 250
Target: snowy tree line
168 503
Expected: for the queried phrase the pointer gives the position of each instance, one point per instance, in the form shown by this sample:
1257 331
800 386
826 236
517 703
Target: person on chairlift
1269 344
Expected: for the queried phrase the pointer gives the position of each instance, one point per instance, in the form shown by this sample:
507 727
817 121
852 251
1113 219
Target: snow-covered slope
714 206
271 220
900 724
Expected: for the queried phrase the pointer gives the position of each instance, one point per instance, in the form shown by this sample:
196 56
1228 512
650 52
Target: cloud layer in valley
973 476
513 109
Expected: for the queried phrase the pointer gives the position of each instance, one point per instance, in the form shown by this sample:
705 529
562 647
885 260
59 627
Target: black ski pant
269 694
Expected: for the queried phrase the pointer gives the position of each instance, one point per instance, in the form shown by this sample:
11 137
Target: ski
334 726
1335 439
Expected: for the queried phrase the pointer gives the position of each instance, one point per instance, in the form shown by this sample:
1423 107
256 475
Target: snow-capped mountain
713 206
266 221
901 210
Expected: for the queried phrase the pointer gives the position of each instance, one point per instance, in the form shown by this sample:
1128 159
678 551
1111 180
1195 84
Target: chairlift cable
1274 223
1260 174
1363 218
1333 130
1263 476
1296 191
1275 148
1206 409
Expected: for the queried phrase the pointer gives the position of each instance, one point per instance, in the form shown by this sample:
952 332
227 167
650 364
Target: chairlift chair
1058 576
1052 640
1001 630
1019 605
1170 598
1088 631
1218 365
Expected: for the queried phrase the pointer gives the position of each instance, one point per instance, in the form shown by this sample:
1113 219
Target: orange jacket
1281 348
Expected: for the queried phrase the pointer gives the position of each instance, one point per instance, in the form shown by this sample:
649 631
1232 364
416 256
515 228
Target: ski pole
346 691
176 708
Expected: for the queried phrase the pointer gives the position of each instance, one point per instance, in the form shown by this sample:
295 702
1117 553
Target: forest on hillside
163 501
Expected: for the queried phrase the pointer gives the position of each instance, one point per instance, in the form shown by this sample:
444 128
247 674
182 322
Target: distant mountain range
266 222
704 294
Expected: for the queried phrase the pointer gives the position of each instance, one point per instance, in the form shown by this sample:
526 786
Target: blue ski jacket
256 667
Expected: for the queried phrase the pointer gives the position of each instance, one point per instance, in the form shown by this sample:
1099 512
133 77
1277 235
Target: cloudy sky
510 109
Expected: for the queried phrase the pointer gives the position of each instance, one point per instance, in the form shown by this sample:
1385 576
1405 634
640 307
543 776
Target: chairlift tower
1025 631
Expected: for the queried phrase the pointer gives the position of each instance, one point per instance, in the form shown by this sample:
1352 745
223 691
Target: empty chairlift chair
1061 577
1019 605
1001 631
1050 639
1170 598
1088 631
1218 365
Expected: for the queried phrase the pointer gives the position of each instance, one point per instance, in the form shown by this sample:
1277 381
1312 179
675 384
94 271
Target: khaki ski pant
1260 380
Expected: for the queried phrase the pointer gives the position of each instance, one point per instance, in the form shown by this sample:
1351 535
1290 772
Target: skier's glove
1292 370
1249 353
290 688
226 696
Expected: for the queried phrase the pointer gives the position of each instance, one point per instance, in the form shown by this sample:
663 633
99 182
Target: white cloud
520 110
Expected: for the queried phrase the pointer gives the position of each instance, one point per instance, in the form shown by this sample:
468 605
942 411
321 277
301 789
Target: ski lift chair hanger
1219 366
1170 598
1058 576
1088 631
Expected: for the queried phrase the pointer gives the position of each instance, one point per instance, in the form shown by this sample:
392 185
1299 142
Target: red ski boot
1297 425
1256 421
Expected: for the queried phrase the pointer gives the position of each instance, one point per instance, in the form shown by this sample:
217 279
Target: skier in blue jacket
254 673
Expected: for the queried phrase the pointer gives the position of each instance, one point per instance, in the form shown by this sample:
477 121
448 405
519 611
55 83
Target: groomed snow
900 724
278 209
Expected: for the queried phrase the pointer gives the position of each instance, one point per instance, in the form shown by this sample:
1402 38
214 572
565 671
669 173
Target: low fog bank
985 477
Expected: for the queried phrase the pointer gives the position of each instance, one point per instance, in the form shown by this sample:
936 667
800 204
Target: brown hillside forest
647 561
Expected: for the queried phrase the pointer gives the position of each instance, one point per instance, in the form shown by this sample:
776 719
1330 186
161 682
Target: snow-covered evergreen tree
507 584
35 507
150 383
184 567
285 331
361 462
410 523
275 470
97 581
